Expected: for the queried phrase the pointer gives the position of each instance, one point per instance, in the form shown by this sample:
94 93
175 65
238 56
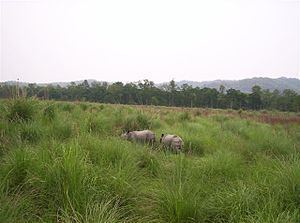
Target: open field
66 162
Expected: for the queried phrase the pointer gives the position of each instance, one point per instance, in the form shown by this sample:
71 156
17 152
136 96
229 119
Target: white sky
118 40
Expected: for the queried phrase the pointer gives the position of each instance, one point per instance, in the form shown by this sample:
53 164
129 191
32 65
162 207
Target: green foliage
104 124
185 116
197 113
61 129
240 111
21 109
106 211
15 169
68 107
101 107
147 93
49 112
75 167
148 161
137 121
173 198
83 106
30 132
17 209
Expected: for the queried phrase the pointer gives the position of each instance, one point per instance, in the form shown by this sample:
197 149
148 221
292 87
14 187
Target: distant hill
245 85
62 84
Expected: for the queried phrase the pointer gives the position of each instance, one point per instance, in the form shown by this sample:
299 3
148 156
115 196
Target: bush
21 109
185 116
62 130
49 112
30 132
15 170
99 124
137 122
149 163
194 146
68 107
101 107
174 196
83 106
108 211
240 111
220 118
198 112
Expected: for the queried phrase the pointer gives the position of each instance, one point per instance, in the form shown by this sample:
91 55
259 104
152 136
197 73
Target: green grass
66 162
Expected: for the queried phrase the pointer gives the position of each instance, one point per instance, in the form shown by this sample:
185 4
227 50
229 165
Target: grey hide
141 136
172 141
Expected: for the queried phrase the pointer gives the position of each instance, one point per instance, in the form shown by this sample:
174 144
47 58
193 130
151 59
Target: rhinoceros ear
127 131
162 135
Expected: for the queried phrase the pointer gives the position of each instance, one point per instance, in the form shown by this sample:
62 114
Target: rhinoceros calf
141 136
172 141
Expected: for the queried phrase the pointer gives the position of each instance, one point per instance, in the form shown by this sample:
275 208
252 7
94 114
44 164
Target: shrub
149 163
49 112
185 116
17 208
138 121
220 118
198 112
15 170
264 111
21 109
62 180
62 130
83 106
101 107
240 111
194 146
2 110
108 211
100 124
30 132
93 124
170 119
68 107
173 198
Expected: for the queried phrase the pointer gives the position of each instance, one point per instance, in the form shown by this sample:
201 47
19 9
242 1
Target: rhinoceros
140 136
172 141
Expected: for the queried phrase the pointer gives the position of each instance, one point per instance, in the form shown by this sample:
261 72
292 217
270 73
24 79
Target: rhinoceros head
126 135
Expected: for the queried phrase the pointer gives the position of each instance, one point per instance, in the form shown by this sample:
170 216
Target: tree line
147 93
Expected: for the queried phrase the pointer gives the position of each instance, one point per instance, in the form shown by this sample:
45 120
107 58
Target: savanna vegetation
66 162
147 93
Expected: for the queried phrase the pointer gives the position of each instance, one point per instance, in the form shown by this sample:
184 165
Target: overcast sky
118 40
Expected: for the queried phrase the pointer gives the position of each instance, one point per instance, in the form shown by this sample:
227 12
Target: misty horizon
183 80
46 41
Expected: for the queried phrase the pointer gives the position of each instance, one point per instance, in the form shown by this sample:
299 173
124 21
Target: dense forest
147 93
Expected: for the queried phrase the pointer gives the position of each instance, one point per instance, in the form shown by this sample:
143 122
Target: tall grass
21 109
49 112
66 162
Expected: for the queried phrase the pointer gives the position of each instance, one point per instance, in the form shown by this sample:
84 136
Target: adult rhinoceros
141 136
171 141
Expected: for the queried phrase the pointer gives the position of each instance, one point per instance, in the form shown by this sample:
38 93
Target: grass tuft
21 109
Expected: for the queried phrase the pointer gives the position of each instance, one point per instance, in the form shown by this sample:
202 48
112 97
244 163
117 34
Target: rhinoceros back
144 135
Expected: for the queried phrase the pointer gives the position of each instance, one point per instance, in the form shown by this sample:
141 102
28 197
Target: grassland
66 162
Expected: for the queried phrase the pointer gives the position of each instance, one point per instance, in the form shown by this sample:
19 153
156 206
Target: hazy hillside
245 85
62 84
